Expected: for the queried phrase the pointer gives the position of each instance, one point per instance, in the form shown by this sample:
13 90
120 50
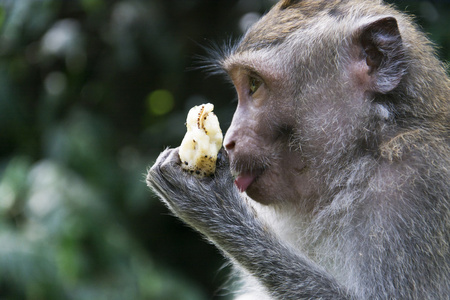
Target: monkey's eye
254 85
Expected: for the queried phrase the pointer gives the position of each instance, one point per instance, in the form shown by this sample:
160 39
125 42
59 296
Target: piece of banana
203 140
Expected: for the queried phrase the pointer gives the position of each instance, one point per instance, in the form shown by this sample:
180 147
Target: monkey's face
306 85
276 81
264 160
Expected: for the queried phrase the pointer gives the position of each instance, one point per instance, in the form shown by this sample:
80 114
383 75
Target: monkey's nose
229 145
229 142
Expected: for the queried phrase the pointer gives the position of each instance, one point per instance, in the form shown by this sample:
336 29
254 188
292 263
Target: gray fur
377 224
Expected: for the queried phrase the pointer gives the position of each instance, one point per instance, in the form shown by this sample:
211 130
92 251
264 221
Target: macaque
335 182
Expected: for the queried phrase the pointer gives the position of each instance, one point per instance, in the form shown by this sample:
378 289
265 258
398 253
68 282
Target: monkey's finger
163 156
162 176
170 165
223 173
171 158
162 165
223 161
165 160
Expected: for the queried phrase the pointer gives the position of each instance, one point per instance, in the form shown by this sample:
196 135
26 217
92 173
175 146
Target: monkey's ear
382 48
286 3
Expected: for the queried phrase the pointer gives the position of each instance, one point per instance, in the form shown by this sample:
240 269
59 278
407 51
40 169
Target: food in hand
202 142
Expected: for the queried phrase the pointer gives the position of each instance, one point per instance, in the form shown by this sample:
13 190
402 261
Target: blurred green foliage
90 92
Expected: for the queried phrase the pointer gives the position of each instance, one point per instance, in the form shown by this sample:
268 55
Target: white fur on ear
382 111
382 47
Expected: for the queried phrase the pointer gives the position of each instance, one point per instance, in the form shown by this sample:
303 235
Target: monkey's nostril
230 145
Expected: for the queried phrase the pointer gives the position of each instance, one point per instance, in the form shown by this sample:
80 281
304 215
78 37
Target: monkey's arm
214 207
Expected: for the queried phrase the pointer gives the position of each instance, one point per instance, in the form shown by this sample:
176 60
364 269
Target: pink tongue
243 181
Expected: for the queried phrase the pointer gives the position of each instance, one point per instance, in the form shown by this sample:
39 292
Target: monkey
334 178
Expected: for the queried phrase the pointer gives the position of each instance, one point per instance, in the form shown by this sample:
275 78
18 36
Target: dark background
90 92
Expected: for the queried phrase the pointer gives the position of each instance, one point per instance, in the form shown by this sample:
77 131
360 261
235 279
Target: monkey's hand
203 203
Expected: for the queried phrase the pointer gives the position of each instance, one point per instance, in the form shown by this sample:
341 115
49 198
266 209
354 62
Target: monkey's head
319 83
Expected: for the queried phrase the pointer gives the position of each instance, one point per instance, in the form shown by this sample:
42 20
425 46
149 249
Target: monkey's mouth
246 174
244 180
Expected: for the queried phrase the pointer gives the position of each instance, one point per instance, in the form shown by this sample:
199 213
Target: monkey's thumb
223 162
